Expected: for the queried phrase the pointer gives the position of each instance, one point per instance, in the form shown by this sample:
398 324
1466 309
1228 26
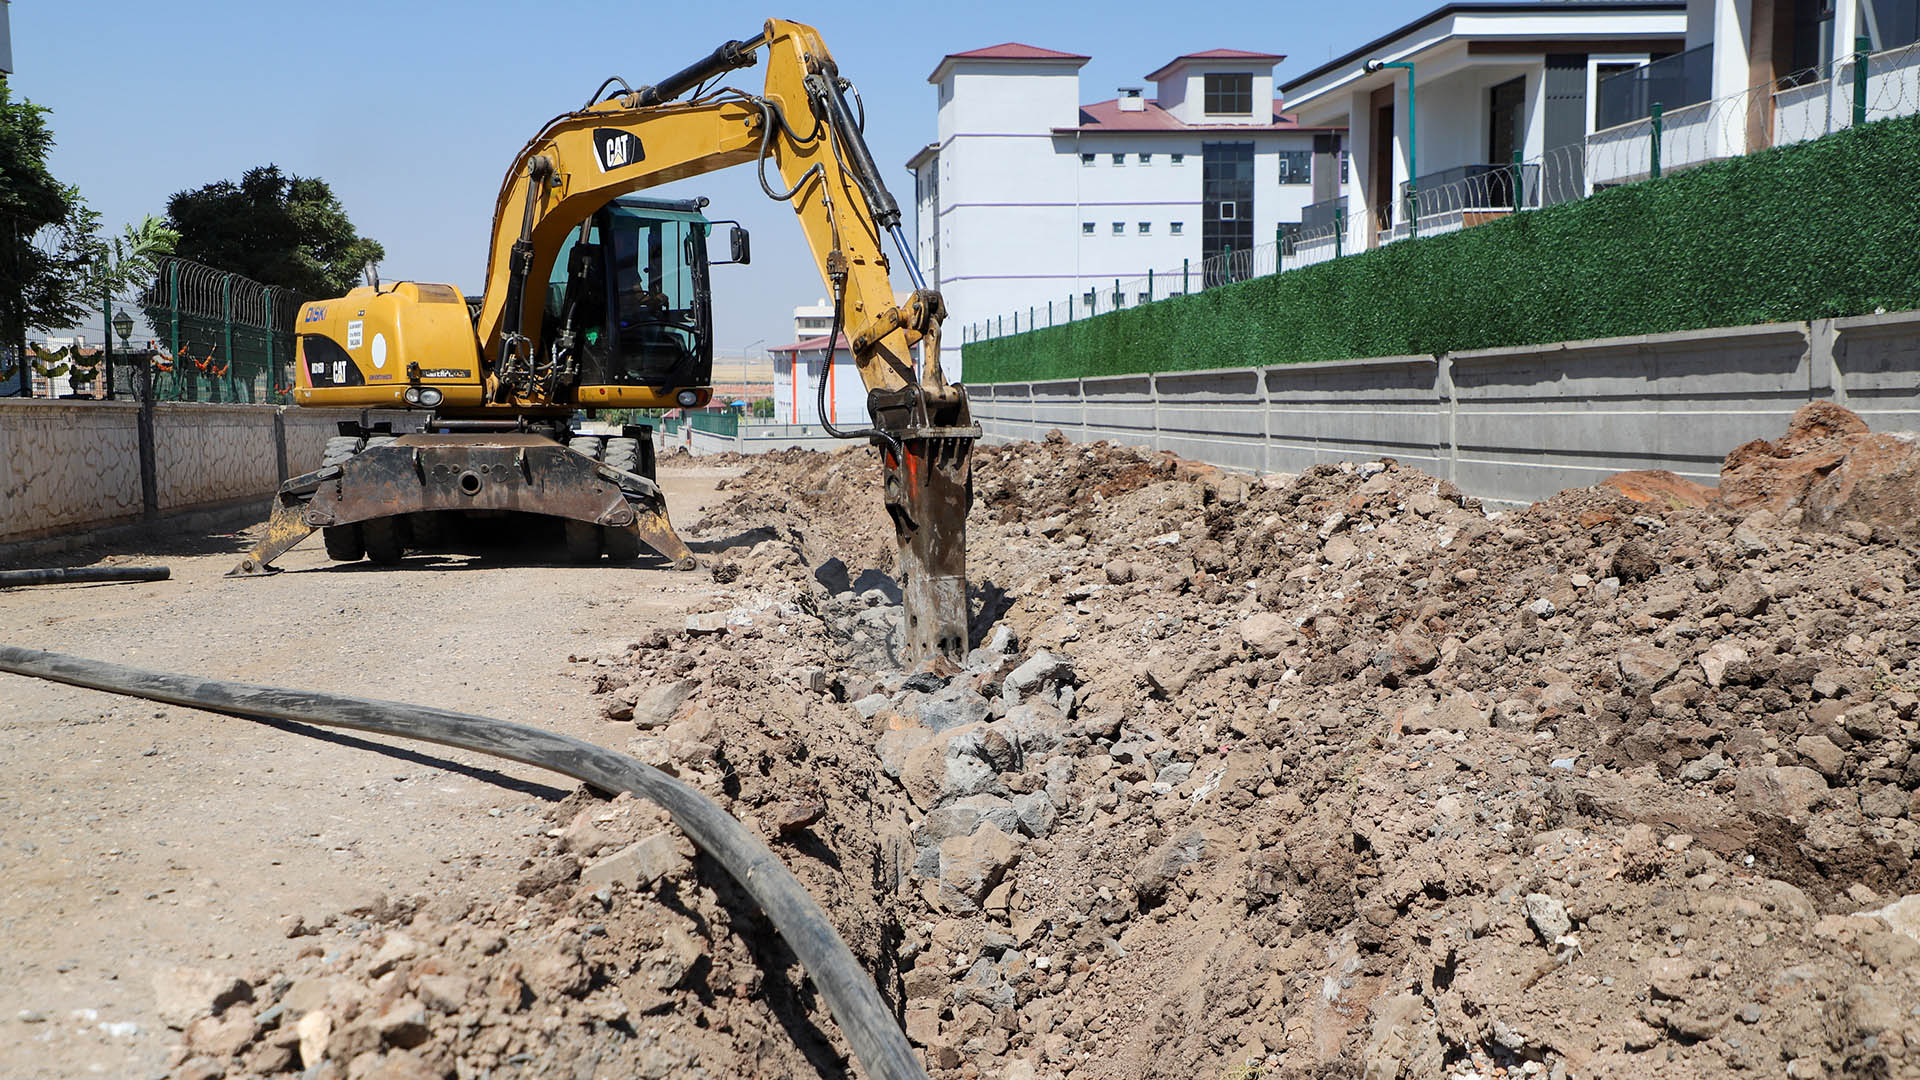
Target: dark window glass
1296 166
1229 95
1891 23
1226 193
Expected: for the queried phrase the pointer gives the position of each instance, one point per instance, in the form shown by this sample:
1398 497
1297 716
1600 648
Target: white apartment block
1029 197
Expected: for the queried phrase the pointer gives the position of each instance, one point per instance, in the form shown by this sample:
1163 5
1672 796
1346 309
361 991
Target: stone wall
69 466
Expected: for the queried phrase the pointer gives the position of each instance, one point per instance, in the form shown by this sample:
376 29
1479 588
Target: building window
1086 228
1890 24
1346 164
1141 298
1088 299
1176 228
1087 160
1146 159
1119 159
1229 95
1146 228
1119 228
1296 166
1177 159
1226 192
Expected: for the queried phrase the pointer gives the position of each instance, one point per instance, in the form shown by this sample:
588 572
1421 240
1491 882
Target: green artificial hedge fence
1820 229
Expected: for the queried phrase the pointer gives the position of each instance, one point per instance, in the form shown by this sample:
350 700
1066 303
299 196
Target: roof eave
946 62
1585 7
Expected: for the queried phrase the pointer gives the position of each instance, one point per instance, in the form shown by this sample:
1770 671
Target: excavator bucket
929 489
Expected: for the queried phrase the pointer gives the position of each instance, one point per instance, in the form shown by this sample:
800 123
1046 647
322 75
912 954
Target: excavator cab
629 298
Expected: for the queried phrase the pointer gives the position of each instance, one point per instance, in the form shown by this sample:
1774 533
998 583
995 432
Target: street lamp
123 325
1413 146
746 352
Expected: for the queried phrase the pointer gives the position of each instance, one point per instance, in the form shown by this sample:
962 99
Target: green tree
133 257
48 250
274 227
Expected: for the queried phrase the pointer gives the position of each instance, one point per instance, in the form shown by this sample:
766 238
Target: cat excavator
597 298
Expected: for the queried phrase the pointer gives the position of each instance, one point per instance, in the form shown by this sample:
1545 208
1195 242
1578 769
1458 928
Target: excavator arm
802 125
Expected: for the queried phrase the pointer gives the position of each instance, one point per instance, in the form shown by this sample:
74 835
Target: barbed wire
1799 107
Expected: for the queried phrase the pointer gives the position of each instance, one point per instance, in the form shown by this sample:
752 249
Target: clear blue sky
413 110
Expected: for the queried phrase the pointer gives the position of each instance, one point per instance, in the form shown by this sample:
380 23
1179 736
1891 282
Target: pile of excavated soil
1336 774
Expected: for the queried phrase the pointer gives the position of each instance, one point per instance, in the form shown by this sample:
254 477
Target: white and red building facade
1027 196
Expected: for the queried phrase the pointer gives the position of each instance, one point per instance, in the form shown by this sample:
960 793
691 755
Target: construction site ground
1321 775
136 837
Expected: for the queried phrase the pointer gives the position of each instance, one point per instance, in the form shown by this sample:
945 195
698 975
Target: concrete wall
756 439
69 466
1508 425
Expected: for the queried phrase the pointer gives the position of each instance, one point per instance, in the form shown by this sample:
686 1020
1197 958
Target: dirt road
135 837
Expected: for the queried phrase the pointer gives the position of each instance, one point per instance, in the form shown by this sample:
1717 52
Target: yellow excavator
597 299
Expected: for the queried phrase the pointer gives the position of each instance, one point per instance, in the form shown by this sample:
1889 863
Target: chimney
1131 101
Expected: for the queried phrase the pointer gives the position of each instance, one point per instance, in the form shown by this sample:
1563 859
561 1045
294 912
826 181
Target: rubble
1341 773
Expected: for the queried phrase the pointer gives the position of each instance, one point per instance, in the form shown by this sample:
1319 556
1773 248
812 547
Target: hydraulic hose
60 575
820 388
869 1025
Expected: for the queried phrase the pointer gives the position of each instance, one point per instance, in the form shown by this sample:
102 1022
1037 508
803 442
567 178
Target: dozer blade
928 491
507 471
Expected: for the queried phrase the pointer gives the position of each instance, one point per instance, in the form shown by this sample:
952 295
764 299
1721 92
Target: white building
1490 80
1760 73
6 40
812 320
796 375
1028 197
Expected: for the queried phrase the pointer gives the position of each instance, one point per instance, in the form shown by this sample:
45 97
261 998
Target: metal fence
205 334
217 336
1855 88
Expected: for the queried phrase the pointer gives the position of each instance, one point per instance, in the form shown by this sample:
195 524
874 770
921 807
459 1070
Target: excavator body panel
368 348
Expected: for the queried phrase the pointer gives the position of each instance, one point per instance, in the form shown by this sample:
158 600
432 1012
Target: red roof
1216 54
813 343
1108 116
1014 50
1011 50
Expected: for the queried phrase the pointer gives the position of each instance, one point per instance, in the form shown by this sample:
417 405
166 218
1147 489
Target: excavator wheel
583 542
384 539
624 454
622 546
583 537
342 541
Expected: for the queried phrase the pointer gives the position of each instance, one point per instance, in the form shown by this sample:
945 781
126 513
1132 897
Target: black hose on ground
61 575
869 1025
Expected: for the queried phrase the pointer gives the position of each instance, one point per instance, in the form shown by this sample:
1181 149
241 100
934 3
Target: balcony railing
1675 82
1476 187
1322 214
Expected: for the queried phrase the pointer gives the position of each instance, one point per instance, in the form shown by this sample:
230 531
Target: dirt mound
1832 468
1343 770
